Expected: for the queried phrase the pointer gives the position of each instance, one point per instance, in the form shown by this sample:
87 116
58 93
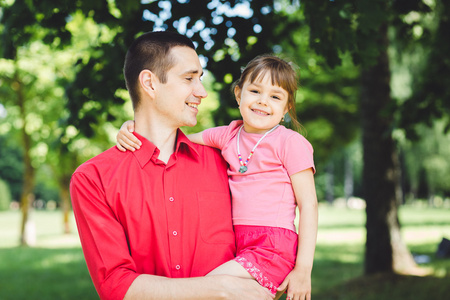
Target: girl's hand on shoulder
298 285
126 140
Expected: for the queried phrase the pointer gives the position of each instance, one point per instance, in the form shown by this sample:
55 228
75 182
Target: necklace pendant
243 169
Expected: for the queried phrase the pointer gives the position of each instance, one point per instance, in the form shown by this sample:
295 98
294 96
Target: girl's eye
189 78
254 91
276 97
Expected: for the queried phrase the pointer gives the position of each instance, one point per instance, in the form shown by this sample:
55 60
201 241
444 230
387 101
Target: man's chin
190 124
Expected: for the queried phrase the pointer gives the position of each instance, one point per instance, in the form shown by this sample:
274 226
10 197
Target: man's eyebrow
195 71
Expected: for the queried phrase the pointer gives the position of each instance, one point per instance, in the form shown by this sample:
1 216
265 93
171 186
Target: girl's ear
237 94
288 107
147 81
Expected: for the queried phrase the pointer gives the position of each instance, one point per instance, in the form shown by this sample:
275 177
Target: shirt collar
148 149
183 140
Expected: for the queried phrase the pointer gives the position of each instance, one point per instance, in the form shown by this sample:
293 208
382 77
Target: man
149 219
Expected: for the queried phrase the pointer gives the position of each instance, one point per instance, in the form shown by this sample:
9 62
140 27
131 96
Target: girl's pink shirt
263 195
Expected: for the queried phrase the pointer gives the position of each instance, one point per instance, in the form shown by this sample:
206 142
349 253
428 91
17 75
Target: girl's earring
282 119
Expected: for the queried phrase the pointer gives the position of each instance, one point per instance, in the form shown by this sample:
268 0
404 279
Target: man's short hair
150 51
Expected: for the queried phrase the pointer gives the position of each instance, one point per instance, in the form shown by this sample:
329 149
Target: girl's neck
251 130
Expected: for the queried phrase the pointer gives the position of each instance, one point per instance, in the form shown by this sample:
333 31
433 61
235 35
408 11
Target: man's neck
163 137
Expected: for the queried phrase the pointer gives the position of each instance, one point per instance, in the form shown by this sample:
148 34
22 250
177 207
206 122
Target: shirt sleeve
297 154
103 239
217 136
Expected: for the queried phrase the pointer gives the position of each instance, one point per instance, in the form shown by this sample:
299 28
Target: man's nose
200 91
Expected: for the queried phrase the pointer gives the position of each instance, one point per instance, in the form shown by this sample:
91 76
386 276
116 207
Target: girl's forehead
263 78
260 77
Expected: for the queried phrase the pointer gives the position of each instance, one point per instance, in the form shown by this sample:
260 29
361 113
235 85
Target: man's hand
242 288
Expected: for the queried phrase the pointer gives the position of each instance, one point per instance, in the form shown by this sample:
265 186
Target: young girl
270 172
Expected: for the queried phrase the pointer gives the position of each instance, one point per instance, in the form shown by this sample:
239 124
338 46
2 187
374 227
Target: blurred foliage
427 160
70 55
430 78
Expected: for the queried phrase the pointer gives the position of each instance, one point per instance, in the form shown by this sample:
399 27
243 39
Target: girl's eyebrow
275 88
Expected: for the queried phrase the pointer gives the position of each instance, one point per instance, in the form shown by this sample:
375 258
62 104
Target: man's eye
189 78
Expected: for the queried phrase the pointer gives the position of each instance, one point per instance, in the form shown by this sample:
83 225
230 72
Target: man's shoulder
209 156
100 163
206 151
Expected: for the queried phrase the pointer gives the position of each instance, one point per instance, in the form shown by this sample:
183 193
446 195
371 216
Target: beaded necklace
244 167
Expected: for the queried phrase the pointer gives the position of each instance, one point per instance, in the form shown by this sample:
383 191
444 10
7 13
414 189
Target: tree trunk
26 200
385 250
65 201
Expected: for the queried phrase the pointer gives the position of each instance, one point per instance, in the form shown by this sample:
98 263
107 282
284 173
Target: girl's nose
262 100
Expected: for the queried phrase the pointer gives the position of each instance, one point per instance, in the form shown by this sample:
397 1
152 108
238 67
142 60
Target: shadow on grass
340 280
389 286
37 273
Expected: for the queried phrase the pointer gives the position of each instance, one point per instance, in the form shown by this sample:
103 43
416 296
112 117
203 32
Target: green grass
55 269
52 269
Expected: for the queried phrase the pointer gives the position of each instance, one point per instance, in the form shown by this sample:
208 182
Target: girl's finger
119 146
128 144
132 140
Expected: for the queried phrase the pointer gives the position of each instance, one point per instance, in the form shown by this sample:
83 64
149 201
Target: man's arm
148 287
102 237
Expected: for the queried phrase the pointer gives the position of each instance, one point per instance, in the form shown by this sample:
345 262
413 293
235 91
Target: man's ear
147 80
237 94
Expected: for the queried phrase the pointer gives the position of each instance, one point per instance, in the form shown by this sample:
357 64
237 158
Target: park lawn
55 268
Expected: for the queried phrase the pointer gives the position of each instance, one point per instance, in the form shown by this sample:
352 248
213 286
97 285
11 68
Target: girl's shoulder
235 125
291 138
288 133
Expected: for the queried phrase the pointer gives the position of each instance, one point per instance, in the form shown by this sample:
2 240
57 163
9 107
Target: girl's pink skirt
267 253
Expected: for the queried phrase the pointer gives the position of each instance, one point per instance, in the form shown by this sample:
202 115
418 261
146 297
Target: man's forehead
186 60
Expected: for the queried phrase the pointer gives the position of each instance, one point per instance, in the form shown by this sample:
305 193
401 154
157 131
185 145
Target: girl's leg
231 268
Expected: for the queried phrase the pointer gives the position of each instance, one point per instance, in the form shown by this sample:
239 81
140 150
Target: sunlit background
63 98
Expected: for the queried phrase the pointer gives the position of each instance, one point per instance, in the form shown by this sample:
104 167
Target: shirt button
177 267
175 233
171 199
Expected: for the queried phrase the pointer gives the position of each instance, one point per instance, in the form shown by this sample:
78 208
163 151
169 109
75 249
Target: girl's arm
196 138
126 140
298 281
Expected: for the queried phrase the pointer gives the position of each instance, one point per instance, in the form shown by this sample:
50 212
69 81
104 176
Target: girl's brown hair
282 74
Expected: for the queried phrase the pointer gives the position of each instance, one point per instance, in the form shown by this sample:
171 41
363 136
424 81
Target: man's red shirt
137 215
